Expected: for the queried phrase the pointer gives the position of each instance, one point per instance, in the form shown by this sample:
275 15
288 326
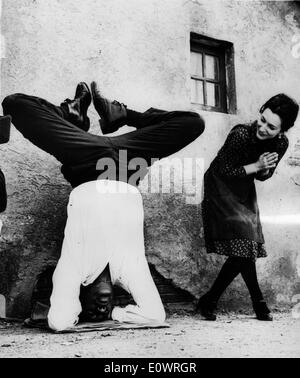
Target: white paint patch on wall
289 219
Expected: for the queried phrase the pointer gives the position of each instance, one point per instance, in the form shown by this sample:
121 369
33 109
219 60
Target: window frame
224 51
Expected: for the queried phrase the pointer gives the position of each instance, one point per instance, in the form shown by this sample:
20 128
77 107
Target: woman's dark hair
285 107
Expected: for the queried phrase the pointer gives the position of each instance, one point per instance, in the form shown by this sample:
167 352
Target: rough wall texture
139 52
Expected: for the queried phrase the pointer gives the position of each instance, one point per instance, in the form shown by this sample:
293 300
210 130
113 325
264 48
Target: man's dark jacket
3 195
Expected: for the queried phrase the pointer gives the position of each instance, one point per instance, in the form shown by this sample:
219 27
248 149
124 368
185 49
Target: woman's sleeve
281 150
229 161
3 195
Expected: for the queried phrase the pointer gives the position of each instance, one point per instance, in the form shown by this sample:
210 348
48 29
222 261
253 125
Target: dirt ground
188 337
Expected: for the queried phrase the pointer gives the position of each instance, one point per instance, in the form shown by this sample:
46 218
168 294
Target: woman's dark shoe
78 108
262 311
206 307
112 114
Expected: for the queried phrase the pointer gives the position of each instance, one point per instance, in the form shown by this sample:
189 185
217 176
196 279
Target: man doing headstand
62 131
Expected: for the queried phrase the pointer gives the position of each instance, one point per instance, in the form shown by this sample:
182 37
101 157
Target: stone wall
138 50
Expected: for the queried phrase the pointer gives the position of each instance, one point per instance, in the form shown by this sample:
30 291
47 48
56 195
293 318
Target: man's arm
137 280
65 304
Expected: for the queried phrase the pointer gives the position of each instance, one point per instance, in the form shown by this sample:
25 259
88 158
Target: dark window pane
196 64
197 91
211 67
213 95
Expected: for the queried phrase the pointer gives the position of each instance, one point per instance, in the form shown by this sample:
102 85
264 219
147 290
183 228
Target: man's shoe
206 307
78 107
262 311
112 114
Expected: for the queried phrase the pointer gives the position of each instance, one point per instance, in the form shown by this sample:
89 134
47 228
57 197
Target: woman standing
230 212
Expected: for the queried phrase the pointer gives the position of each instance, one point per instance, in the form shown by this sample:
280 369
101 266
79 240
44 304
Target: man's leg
159 133
47 126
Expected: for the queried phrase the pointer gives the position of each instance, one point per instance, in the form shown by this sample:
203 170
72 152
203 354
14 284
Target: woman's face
268 125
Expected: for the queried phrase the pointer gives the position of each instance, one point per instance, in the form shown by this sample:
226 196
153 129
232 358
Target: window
212 74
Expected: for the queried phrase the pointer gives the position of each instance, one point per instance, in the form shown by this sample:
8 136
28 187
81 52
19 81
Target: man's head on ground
277 116
97 300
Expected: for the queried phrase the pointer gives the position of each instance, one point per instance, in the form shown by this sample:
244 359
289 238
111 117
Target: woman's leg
249 274
208 303
229 271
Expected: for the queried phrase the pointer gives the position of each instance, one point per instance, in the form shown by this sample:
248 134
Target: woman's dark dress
231 218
